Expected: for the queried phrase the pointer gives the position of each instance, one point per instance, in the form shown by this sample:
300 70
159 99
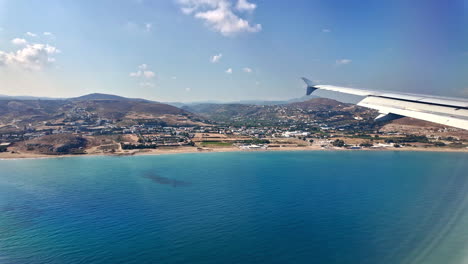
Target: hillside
121 109
318 104
101 96
23 112
54 145
17 114
413 126
313 110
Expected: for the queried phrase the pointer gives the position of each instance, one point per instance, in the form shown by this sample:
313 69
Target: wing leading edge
392 105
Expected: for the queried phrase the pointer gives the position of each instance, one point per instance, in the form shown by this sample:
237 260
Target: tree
338 143
366 144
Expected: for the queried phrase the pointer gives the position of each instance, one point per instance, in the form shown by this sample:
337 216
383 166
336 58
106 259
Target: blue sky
195 50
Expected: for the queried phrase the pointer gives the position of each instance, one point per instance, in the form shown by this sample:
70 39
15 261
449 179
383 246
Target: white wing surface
392 105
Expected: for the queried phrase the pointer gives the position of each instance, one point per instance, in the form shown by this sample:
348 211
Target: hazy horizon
230 50
187 102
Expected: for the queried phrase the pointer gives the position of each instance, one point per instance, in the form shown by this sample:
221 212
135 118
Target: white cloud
247 70
219 15
174 77
31 57
229 71
1 29
326 30
145 75
19 41
148 27
48 34
146 84
343 61
244 5
188 89
187 10
148 74
3 58
143 72
216 58
31 34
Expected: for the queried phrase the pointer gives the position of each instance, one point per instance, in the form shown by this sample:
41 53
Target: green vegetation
256 141
407 139
216 144
363 136
338 143
457 145
138 146
366 144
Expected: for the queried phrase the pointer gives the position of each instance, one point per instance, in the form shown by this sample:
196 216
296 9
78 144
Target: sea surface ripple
256 207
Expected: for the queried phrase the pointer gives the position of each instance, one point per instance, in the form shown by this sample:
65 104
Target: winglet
310 86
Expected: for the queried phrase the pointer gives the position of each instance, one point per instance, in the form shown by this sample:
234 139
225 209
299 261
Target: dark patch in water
7 208
165 181
23 210
19 218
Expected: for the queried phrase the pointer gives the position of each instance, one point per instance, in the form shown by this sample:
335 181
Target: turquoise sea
257 207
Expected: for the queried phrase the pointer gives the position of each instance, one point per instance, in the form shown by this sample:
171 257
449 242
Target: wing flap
433 113
443 110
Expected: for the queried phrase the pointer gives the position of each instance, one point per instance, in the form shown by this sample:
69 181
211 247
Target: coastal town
315 125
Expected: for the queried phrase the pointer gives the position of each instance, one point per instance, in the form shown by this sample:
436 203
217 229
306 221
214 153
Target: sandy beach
181 150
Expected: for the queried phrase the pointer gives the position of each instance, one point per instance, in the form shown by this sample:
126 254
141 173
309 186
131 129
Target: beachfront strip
106 138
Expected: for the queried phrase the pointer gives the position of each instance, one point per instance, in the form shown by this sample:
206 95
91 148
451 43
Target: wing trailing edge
393 105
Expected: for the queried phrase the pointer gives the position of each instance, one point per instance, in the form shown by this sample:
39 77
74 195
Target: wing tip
310 86
307 81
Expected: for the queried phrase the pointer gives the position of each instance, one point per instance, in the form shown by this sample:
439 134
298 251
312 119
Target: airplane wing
393 105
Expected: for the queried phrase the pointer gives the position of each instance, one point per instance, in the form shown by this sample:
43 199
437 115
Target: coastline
186 150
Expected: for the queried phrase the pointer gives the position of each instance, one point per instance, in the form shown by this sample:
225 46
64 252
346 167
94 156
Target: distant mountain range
25 97
101 96
92 96
25 110
247 102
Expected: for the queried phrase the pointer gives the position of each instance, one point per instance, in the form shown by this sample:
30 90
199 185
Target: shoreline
187 150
